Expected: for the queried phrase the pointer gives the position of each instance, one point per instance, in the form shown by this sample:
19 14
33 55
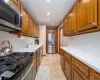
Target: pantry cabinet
86 14
72 21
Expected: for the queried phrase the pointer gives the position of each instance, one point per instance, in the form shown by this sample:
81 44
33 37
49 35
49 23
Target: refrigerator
51 43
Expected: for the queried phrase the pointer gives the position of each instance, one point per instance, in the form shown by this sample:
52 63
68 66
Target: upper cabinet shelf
83 17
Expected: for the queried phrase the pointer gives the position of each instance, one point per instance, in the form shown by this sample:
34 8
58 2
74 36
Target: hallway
53 61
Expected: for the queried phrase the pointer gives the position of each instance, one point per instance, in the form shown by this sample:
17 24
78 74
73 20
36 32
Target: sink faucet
28 45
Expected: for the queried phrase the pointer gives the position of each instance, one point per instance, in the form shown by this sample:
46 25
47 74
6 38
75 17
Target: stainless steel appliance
10 16
16 65
51 43
36 41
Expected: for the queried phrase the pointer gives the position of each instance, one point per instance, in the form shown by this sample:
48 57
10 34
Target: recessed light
48 0
48 13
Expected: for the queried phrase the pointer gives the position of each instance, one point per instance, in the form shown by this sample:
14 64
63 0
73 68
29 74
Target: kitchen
49 39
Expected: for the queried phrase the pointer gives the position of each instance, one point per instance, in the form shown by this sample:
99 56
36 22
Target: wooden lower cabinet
77 74
74 69
62 62
67 69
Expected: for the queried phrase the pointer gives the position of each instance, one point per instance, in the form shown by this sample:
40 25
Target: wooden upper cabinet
72 21
97 76
87 14
38 31
17 3
31 27
25 20
65 26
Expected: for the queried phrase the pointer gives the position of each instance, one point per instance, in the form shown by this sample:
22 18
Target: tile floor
53 61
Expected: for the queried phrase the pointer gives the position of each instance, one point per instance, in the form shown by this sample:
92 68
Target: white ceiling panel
38 9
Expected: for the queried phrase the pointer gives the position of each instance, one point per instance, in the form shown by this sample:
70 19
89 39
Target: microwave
10 16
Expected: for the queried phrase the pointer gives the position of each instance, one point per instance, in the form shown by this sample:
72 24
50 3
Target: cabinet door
87 14
62 61
77 74
35 30
72 21
65 26
17 3
25 21
67 69
31 27
97 76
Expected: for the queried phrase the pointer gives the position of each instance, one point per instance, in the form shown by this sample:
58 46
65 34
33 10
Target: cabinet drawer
96 76
84 69
68 56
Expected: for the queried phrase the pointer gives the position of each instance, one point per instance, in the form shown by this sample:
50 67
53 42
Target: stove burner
15 62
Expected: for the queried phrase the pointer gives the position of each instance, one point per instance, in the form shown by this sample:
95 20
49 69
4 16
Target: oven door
29 74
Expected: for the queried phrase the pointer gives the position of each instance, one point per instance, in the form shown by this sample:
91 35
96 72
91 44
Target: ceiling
49 12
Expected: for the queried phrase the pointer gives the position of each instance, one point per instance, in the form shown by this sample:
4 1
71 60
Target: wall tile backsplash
16 42
87 42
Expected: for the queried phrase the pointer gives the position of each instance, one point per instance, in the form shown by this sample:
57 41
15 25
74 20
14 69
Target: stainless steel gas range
17 66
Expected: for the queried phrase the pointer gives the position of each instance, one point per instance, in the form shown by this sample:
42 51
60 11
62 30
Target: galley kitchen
49 39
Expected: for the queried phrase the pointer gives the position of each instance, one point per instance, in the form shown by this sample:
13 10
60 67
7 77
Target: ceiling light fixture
48 0
48 13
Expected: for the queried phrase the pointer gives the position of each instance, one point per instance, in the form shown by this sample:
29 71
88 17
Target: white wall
16 42
43 37
87 42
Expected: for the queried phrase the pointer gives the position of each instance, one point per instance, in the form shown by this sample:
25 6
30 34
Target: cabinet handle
94 25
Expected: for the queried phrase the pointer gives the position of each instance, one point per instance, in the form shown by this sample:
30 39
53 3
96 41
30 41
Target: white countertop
30 49
92 60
